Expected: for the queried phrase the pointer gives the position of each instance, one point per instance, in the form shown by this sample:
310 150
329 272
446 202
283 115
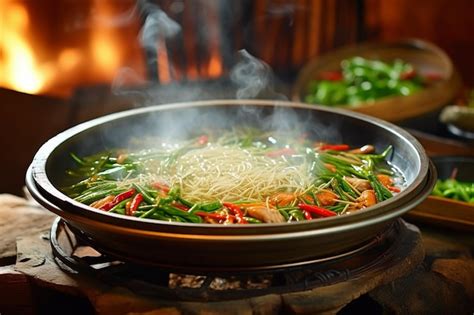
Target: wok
216 247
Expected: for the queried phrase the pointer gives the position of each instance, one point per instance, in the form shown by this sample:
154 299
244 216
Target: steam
253 77
248 78
157 25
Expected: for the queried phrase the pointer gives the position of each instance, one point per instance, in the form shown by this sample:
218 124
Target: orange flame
215 65
18 66
163 62
105 52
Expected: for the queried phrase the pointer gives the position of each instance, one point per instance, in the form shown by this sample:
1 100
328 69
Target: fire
21 69
163 62
106 54
107 46
18 66
215 65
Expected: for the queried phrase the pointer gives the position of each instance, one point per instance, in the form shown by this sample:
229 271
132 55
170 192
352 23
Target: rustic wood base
35 283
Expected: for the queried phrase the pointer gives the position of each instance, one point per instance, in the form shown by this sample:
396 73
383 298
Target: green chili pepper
120 207
345 186
252 220
146 197
297 214
115 173
183 214
185 202
94 196
207 207
462 193
284 214
173 194
451 188
381 192
211 206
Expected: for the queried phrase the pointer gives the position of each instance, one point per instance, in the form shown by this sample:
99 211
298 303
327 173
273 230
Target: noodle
229 173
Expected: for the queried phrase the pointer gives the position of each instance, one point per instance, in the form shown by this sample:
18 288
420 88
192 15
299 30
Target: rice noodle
229 173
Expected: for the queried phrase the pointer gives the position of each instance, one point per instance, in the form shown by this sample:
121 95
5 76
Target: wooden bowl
444 211
424 56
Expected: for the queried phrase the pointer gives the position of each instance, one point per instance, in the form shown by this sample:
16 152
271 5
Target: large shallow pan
202 246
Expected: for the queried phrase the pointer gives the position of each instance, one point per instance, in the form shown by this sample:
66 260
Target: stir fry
236 178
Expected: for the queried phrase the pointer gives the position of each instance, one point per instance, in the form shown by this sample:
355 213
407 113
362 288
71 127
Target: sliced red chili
334 147
125 195
160 186
407 75
180 206
394 189
322 212
331 75
235 209
307 215
134 204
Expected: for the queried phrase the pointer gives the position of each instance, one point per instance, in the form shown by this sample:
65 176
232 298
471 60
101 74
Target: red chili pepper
235 209
335 147
317 210
163 187
202 140
134 204
307 215
407 75
394 189
331 75
125 195
180 206
280 152
215 216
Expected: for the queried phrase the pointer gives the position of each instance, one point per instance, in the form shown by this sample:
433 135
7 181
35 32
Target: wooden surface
34 277
33 220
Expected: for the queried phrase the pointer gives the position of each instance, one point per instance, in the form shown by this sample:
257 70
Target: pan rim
53 194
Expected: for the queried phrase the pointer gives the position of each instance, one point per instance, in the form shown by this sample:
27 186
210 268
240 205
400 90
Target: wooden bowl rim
452 78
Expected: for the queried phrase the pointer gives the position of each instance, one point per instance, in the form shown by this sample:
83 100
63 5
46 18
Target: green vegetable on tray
362 80
454 189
